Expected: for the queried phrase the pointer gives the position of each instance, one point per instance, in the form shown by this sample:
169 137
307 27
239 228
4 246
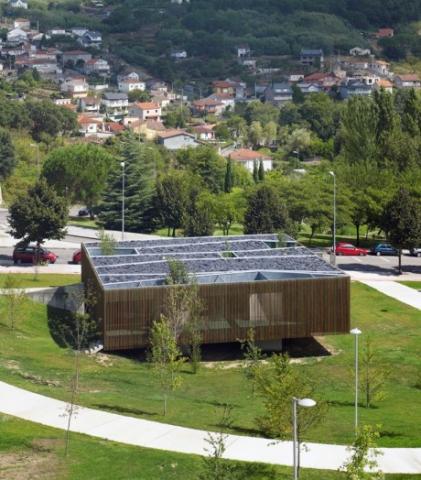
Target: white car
415 252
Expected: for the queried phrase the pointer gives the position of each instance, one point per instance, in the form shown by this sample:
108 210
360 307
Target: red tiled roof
207 102
223 84
173 132
384 32
85 120
244 154
409 77
148 106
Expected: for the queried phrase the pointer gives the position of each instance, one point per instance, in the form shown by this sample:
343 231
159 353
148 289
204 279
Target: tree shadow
387 433
121 409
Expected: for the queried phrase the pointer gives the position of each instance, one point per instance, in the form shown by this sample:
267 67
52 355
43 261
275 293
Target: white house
115 103
176 139
204 132
18 4
90 104
78 31
360 52
243 51
178 54
16 35
127 84
91 39
250 158
77 87
54 32
380 67
61 102
87 125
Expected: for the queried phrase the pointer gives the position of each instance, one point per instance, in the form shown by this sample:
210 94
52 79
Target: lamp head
332 173
356 331
306 402
122 164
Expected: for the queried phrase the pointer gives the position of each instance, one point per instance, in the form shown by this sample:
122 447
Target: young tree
226 212
277 382
265 213
39 215
255 172
261 172
14 297
402 221
256 134
7 154
165 357
373 375
107 244
363 464
253 356
214 465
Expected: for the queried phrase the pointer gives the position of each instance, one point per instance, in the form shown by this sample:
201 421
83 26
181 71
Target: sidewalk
404 294
93 234
52 268
144 433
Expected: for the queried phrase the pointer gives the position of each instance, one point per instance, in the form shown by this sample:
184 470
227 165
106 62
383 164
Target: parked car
83 212
77 256
343 248
416 251
384 249
28 254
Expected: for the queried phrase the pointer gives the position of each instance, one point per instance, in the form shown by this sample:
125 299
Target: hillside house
243 51
78 31
385 33
227 101
380 67
307 88
146 111
61 102
204 132
309 57
355 87
88 125
76 57
278 93
208 106
57 32
360 52
410 80
387 85
115 103
76 87
18 4
16 36
149 129
22 23
90 104
175 139
97 65
128 84
178 54
91 39
44 66
248 158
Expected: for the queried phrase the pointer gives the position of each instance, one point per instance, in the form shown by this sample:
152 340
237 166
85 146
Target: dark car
343 248
28 254
83 212
77 256
384 249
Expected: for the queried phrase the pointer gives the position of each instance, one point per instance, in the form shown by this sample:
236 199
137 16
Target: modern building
252 281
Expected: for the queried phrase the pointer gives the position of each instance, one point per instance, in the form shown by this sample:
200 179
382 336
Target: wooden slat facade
275 309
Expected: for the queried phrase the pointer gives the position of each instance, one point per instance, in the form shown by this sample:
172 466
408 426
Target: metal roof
228 259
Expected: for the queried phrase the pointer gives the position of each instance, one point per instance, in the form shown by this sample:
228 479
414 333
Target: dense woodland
143 32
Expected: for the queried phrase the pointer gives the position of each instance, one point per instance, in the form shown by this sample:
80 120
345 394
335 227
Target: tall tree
172 191
199 218
39 215
7 154
140 189
265 213
261 172
226 212
402 221
79 172
229 177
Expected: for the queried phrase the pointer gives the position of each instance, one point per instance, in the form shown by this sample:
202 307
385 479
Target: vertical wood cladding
275 309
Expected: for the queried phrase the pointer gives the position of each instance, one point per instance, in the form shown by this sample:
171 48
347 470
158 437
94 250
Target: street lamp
306 403
334 217
356 332
122 199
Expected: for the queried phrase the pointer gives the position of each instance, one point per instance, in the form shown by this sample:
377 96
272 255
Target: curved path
144 433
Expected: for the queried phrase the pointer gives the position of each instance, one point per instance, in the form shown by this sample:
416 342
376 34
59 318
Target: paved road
144 433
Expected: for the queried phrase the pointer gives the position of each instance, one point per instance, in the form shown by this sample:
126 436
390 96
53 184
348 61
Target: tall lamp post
122 199
356 332
298 402
334 217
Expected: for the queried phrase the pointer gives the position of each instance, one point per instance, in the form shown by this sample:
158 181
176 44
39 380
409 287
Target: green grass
31 359
85 222
416 285
29 280
28 446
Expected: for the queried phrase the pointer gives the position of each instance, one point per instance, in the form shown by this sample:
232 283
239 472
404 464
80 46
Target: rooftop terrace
232 259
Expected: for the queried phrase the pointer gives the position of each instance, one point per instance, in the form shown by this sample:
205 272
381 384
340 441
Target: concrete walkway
404 294
144 433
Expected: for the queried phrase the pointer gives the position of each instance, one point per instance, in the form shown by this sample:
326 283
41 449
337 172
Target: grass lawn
29 280
29 450
416 285
31 359
82 222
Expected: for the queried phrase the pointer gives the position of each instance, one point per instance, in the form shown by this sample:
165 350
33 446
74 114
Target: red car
343 248
27 254
77 256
